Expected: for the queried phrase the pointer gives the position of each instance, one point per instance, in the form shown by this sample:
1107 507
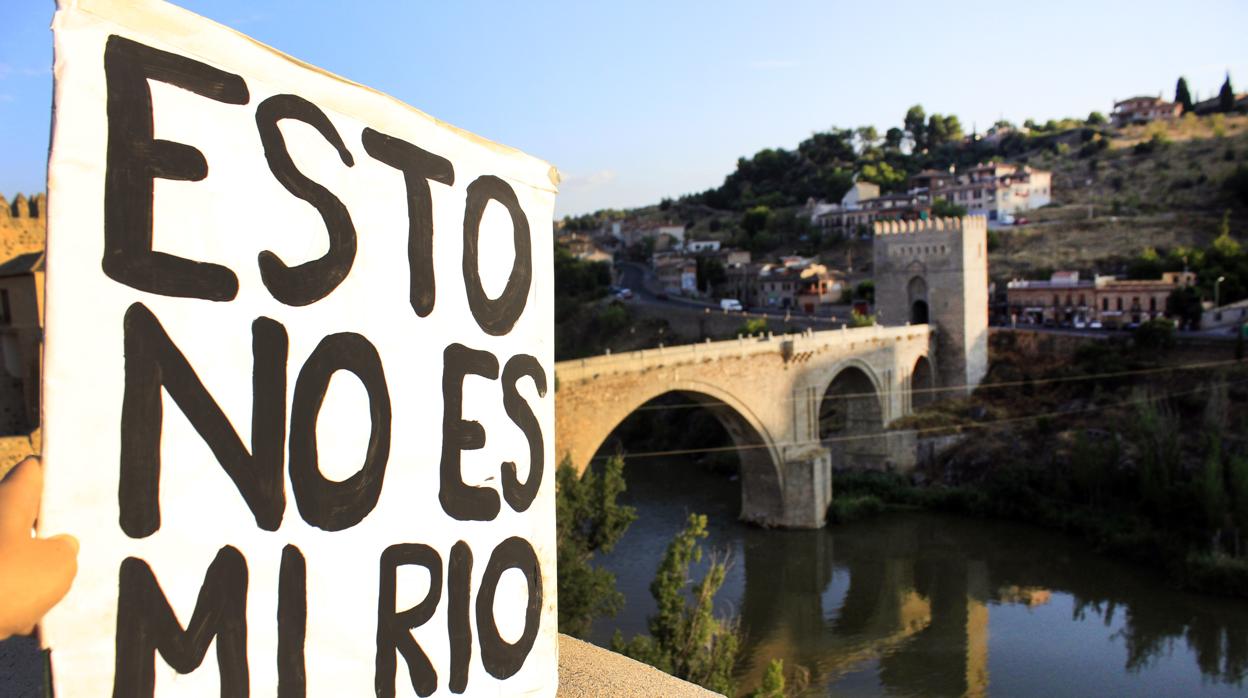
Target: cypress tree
1182 95
1226 96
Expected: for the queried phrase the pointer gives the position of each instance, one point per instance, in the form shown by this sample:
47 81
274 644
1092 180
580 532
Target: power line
981 386
920 431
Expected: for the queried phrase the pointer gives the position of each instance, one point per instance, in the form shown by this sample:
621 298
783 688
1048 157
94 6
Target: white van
728 304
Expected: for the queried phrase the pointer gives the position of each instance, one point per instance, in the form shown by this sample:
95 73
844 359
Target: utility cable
919 431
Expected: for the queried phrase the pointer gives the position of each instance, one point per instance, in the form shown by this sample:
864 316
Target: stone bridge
787 402
797 405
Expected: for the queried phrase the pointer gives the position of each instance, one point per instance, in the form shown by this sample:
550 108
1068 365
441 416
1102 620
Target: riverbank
1007 496
1133 446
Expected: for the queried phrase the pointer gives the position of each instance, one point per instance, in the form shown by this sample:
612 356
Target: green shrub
857 319
1154 335
845 509
687 639
752 326
588 520
1217 574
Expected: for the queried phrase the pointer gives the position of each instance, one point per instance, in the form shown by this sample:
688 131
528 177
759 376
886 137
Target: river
919 604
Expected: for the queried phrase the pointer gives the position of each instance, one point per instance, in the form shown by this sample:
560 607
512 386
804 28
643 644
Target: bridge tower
936 271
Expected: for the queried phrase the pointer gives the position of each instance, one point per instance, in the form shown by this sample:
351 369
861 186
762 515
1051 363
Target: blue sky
638 100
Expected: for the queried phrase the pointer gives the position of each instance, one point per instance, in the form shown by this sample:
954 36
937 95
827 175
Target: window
1119 303
1104 304
1081 303
6 316
1152 304
1056 301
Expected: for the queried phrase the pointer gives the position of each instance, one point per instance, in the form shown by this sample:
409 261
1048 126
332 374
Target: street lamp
1216 296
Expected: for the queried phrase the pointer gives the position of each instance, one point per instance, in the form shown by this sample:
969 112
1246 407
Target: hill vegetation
1118 193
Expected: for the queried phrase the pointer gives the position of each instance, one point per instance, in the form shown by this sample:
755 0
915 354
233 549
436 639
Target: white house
702 246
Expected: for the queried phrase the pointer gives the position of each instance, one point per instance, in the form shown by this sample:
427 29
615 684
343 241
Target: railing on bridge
742 346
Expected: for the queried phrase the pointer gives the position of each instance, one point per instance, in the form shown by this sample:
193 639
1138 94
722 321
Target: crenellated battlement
968 223
32 208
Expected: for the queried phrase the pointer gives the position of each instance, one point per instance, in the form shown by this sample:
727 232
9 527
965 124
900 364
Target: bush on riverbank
588 520
687 640
1122 535
845 509
1123 446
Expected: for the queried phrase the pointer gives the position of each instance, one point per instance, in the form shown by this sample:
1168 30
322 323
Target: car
1021 221
1095 325
660 296
730 304
624 294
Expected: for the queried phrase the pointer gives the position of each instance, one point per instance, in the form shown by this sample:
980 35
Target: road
642 282
1224 334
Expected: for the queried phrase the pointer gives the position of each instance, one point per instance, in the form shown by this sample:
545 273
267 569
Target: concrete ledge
588 671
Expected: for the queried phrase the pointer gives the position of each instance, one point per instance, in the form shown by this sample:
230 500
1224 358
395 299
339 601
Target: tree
1184 305
883 174
773 681
1154 335
711 273
687 640
1097 119
1211 482
753 326
953 129
755 219
893 138
1226 96
1238 470
857 319
1224 246
866 138
865 291
937 132
1236 184
916 125
943 208
1182 96
588 520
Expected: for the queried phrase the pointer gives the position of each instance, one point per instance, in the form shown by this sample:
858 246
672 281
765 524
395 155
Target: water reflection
919 604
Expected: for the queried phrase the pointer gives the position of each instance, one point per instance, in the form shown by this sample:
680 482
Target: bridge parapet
790 345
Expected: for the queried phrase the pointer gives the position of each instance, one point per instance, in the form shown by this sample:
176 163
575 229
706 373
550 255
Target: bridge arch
761 477
922 383
852 405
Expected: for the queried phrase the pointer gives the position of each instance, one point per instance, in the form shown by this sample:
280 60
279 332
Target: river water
918 604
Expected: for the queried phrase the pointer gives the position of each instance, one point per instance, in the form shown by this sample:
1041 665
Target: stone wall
23 230
23 225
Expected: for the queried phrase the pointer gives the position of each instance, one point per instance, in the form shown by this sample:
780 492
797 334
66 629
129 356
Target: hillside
1154 186
1116 192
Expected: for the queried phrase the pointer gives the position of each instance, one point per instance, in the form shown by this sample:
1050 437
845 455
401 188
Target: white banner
298 397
